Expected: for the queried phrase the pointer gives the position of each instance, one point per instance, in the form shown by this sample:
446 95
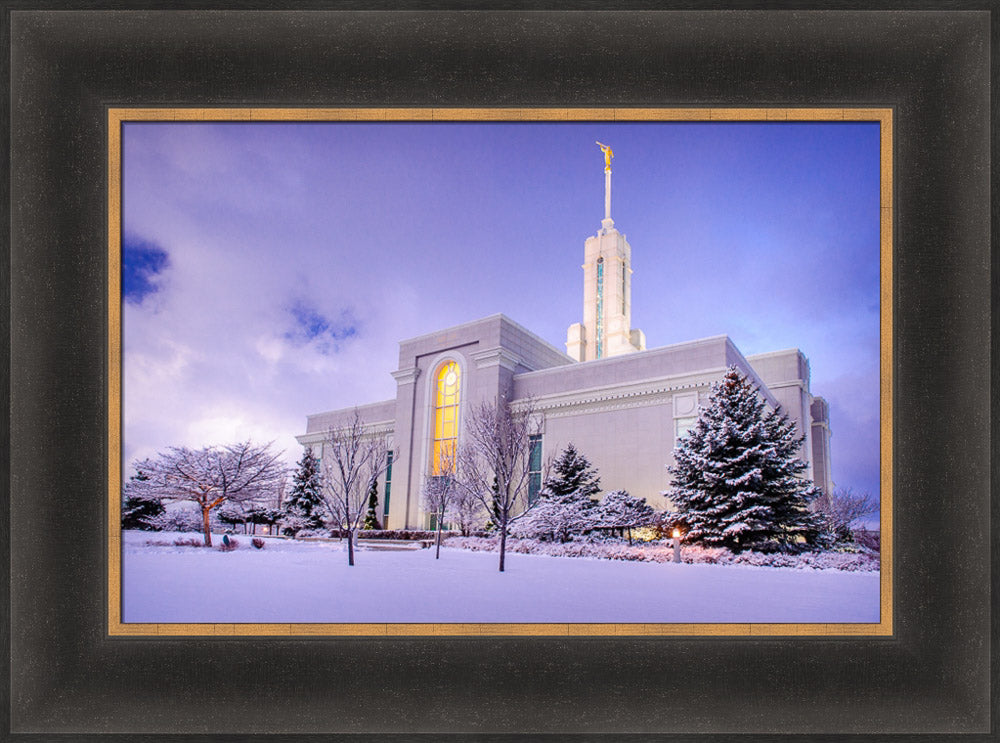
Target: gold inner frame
118 116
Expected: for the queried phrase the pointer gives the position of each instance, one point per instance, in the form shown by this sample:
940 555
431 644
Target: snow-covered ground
311 582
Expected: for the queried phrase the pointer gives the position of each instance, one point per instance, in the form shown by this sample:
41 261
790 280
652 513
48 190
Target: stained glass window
446 394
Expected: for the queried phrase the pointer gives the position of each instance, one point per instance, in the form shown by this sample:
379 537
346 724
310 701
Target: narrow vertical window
624 270
388 484
600 307
534 467
446 395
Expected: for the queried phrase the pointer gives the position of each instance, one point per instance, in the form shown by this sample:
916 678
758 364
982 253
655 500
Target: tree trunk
350 547
503 542
208 529
437 553
630 536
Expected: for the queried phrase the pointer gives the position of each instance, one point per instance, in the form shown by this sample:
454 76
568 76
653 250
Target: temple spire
606 329
607 223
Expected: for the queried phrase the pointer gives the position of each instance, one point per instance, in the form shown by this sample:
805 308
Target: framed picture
78 668
607 405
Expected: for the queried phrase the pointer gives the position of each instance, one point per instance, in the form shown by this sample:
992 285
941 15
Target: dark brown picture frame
67 68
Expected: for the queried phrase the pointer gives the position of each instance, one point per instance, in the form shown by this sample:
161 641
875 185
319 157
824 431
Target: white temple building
621 405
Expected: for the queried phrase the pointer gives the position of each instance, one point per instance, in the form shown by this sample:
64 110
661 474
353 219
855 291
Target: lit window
446 395
534 466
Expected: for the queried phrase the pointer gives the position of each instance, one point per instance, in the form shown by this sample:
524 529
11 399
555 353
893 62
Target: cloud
142 264
311 326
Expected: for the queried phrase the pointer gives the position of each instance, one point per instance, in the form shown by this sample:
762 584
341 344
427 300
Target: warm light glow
445 415
677 533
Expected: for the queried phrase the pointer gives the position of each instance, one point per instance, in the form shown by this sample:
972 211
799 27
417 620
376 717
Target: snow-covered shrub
870 540
557 517
257 542
177 519
189 542
663 552
389 534
842 509
228 544
620 510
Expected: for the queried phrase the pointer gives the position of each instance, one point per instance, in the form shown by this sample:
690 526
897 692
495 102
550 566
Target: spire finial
607 222
608 154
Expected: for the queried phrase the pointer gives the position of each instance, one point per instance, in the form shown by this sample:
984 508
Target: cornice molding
497 357
609 398
406 376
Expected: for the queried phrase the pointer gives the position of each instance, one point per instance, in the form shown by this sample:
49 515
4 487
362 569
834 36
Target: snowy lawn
291 581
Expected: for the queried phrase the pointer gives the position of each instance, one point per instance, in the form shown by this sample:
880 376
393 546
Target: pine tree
737 478
139 509
566 506
371 517
572 473
304 508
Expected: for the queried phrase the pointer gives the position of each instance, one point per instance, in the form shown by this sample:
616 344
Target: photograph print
502 373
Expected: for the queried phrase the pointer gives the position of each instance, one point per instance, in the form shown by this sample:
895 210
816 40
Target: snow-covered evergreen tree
304 508
139 508
371 516
565 506
572 472
737 479
621 510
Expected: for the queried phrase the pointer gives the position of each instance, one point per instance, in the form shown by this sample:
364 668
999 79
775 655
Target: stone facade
624 413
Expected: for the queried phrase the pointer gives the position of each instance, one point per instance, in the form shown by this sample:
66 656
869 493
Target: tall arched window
446 389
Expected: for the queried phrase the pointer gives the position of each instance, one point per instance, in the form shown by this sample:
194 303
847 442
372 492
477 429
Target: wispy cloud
327 334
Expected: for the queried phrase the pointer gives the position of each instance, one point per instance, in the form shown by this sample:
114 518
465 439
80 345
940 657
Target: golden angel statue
608 154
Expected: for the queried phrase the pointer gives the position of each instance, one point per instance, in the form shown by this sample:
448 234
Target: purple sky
270 270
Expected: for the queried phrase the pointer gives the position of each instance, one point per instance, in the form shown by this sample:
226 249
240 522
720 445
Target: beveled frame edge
119 115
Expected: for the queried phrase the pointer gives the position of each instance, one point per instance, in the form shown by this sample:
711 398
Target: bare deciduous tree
465 511
353 460
213 475
493 463
439 491
843 507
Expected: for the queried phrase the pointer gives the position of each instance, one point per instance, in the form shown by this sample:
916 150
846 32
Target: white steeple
607 290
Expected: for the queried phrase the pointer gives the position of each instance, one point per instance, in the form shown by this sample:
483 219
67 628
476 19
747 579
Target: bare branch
353 459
